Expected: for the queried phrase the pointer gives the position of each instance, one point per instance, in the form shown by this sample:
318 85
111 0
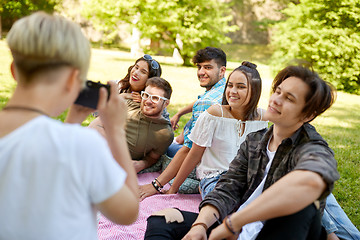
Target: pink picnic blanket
110 231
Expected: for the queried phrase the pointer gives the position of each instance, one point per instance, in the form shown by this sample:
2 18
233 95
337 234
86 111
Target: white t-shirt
251 230
51 175
222 139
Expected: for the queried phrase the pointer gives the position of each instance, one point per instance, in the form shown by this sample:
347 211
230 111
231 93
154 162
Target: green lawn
340 125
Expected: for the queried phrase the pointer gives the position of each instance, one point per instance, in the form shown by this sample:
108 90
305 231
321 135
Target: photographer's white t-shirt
51 175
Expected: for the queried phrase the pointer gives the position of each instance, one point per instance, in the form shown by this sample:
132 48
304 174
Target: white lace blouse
222 138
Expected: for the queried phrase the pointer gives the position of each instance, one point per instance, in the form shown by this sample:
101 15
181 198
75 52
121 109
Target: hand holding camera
89 96
105 98
112 109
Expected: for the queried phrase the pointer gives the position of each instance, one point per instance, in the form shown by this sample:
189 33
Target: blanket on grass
110 231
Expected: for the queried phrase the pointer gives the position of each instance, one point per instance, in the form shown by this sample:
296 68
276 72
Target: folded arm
175 119
290 194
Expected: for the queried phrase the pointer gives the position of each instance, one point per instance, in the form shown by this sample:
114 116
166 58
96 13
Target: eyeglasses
153 98
153 63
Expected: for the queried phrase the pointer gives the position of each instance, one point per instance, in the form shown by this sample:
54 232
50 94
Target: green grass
340 125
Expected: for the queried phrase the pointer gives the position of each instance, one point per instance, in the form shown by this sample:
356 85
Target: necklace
25 109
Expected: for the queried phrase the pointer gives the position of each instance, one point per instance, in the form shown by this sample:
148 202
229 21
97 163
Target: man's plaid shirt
210 97
304 150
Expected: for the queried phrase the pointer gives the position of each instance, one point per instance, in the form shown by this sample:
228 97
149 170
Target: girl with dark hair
220 130
134 82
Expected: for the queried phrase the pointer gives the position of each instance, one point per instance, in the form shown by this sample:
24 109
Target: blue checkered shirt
210 97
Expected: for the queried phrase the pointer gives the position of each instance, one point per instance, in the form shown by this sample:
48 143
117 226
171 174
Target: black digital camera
89 96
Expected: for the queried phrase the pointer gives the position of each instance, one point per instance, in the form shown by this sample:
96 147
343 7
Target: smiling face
287 103
238 91
151 109
139 74
209 73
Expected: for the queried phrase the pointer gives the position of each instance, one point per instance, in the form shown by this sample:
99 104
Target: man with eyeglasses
211 67
148 133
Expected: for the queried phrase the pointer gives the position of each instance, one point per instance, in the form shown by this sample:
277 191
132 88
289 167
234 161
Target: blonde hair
42 42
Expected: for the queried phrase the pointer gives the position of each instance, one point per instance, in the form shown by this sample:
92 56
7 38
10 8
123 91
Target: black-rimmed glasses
154 98
153 63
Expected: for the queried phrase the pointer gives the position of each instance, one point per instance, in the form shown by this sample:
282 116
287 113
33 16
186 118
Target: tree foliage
197 23
11 10
326 34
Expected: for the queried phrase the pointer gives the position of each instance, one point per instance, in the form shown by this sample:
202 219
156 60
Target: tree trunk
187 60
155 45
0 28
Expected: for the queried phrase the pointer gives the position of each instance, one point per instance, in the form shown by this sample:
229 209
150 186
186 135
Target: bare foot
139 165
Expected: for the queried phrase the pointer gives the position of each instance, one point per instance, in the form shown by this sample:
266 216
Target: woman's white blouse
222 138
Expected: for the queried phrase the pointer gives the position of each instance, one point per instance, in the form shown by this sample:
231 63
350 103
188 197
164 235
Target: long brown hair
124 84
254 81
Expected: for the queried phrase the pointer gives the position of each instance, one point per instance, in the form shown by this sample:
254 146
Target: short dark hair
321 95
125 82
210 53
254 82
162 84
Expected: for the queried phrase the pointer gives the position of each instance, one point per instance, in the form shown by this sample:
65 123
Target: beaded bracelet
156 186
201 224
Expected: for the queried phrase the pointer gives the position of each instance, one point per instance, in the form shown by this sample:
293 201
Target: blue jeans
335 220
208 184
174 147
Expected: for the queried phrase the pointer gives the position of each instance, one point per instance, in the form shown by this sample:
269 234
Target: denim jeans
208 184
174 147
335 220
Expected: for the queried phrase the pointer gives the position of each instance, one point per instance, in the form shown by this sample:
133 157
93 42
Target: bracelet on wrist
200 224
156 186
158 182
229 226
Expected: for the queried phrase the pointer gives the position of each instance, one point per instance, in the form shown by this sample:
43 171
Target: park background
270 33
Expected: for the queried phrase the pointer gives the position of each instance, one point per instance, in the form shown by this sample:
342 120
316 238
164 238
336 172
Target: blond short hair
43 42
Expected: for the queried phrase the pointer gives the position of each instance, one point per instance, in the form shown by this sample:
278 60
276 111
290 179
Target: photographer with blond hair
55 176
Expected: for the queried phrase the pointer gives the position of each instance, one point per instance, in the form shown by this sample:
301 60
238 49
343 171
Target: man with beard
211 67
148 133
